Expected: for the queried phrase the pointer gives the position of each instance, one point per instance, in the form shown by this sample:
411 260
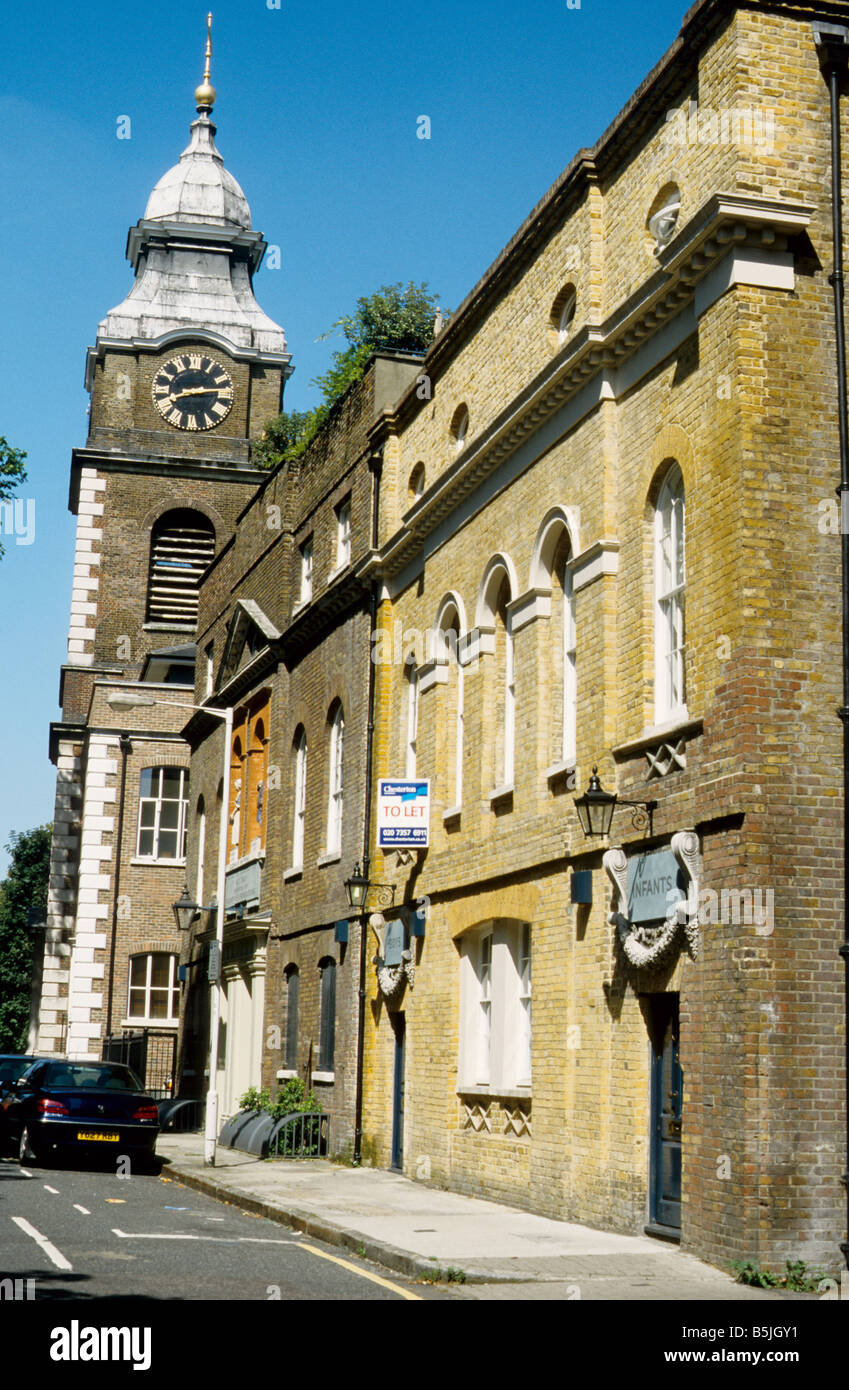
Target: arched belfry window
182 544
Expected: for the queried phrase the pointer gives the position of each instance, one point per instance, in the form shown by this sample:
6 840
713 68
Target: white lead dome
199 189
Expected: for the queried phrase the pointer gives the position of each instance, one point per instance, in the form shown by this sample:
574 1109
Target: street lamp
119 700
595 809
357 888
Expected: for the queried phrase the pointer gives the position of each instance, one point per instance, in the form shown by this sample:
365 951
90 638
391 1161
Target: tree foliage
24 887
395 318
12 472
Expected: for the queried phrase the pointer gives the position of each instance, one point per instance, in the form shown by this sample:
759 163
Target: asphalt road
87 1234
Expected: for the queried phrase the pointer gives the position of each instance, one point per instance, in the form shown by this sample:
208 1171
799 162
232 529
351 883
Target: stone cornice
724 222
159 465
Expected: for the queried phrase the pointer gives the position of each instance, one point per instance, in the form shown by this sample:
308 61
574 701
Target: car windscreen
78 1076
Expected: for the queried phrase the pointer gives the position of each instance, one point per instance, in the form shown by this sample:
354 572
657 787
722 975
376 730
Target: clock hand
194 391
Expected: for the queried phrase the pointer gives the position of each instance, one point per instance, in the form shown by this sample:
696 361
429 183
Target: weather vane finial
205 94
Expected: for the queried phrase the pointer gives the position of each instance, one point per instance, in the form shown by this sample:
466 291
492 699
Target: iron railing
150 1053
304 1134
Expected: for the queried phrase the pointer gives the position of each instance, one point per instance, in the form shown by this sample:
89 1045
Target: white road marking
219 1240
48 1188
25 1173
47 1246
85 1211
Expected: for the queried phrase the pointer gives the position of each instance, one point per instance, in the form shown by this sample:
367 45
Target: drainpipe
832 44
125 746
376 467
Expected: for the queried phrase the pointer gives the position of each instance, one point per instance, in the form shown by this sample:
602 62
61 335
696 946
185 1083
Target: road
87 1234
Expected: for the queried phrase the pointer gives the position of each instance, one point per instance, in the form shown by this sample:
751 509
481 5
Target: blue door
399 1028
666 1095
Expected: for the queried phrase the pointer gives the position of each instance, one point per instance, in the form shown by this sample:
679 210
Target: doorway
666 1117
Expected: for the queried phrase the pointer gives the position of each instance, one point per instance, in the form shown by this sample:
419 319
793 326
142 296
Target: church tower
183 376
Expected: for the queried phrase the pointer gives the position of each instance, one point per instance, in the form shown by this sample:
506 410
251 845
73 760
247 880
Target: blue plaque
656 882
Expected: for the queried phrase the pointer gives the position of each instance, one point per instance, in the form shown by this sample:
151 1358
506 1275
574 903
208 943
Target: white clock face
193 392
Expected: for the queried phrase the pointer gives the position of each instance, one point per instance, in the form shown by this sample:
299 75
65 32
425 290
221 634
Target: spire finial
205 94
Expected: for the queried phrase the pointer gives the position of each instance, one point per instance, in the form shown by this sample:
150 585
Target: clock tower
183 376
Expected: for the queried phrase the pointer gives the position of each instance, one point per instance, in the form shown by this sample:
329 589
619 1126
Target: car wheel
26 1152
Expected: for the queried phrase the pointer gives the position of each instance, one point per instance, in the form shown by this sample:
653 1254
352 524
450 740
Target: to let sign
403 813
656 882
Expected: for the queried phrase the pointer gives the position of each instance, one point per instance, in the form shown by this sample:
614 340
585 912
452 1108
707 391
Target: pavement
484 1249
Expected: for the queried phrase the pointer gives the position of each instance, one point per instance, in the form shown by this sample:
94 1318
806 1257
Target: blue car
61 1107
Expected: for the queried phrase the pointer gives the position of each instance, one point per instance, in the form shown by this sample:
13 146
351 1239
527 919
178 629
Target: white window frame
412 733
525 1029
670 588
170 988
182 817
336 780
306 551
509 703
299 822
343 533
569 745
201 864
495 1008
566 316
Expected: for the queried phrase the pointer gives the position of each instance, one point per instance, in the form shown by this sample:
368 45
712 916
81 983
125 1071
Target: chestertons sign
403 813
656 882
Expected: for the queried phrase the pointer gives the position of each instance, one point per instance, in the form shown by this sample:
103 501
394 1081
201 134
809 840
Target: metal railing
182 1116
304 1134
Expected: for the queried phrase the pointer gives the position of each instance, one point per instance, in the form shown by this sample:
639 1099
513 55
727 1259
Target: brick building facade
628 423
645 374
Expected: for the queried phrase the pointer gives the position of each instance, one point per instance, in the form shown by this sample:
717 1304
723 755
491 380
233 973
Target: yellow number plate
108 1138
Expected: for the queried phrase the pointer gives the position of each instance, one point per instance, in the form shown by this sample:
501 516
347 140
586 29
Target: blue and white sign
656 882
403 813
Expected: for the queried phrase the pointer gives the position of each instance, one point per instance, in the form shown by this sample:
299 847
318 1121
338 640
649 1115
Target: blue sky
316 114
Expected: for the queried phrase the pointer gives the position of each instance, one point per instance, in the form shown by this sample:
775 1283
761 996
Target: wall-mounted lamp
358 887
595 809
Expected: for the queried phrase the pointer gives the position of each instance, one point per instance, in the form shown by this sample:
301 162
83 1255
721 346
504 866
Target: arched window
449 627
300 800
670 691
416 484
293 984
411 677
237 797
459 426
182 544
568 711
336 780
163 805
493 613
201 843
563 312
327 1026
256 774
154 992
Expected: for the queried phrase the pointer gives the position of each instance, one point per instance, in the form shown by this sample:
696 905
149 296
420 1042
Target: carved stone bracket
651 944
391 979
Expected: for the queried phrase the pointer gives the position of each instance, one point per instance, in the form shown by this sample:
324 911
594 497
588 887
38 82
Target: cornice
724 222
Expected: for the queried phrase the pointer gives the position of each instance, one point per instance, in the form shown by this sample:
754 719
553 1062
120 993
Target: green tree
395 318
24 887
12 473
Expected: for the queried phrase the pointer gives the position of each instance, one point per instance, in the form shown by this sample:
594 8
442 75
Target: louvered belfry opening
181 546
